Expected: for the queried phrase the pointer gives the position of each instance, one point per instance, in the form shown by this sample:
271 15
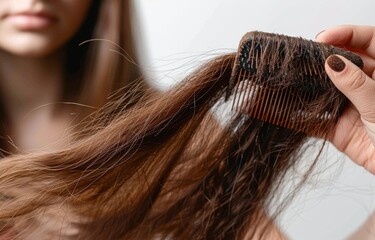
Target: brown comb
281 80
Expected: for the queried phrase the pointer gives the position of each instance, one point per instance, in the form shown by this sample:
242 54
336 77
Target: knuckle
356 79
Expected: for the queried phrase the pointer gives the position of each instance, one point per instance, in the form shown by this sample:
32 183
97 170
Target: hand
354 133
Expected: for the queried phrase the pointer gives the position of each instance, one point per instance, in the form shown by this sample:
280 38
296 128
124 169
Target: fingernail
335 63
319 34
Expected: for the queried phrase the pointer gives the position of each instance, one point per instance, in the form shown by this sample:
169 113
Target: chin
31 53
29 47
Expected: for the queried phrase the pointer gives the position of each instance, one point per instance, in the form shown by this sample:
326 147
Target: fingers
357 86
359 37
368 65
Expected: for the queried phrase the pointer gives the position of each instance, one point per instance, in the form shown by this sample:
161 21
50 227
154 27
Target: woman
42 66
136 194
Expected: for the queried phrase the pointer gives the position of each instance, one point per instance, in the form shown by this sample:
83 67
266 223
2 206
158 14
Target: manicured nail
319 34
335 63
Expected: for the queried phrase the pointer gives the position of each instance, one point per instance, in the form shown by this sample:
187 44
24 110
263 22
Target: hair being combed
164 169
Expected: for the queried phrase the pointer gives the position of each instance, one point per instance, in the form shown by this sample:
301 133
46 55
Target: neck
28 83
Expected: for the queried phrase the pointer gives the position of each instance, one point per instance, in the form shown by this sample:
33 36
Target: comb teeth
281 80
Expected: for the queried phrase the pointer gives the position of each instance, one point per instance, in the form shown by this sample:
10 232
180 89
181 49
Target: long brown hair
162 169
99 66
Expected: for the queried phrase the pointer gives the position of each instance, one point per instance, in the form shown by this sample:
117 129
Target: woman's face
37 28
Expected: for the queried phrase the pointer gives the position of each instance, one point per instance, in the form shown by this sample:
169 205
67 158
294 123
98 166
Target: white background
178 34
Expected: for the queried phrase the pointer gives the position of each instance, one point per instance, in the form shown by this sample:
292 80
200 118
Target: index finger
359 37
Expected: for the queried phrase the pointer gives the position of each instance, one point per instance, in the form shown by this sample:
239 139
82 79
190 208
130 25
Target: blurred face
37 28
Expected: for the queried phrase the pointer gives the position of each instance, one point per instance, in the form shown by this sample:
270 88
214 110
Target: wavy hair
165 168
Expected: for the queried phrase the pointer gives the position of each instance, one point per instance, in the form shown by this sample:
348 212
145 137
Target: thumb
356 86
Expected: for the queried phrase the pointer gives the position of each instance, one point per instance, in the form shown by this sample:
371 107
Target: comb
281 80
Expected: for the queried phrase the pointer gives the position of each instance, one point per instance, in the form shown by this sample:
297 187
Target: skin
31 66
354 134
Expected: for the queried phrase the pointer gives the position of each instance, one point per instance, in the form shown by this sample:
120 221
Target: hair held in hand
167 169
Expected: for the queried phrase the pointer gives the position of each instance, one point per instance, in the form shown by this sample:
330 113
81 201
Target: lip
30 21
